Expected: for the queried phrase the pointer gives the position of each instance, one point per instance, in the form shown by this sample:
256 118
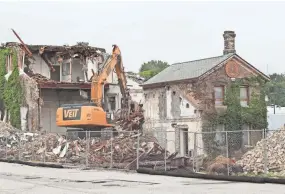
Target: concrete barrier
213 177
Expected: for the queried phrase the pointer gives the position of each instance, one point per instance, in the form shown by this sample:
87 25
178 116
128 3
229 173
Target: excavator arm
93 116
98 81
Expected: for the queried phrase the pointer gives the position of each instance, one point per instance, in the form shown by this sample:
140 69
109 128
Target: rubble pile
120 150
40 78
271 150
134 122
9 137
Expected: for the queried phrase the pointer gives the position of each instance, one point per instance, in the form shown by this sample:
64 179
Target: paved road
15 178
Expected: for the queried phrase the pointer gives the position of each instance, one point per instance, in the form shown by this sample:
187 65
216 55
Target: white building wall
91 64
177 112
40 66
277 120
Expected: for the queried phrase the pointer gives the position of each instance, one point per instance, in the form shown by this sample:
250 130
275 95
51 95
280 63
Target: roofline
260 72
162 84
30 46
216 66
150 84
240 58
200 59
206 73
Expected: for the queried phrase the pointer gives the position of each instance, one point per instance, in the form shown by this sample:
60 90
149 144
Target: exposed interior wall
91 65
66 71
62 70
52 99
39 66
76 70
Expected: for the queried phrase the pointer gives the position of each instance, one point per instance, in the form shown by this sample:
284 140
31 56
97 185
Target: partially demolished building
56 75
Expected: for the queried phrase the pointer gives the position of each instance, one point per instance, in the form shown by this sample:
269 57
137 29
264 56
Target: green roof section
187 70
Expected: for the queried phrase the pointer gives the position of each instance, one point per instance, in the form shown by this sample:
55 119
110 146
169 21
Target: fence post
45 144
19 151
265 151
6 148
33 149
195 153
66 138
138 146
87 148
227 152
111 165
165 147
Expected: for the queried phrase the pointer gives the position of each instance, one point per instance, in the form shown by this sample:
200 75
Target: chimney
229 42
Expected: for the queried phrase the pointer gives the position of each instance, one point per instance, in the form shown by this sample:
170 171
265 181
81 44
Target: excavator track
103 133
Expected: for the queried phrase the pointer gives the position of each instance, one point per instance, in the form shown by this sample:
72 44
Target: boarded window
219 95
244 96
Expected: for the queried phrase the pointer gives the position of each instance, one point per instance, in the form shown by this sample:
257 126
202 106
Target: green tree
151 68
275 89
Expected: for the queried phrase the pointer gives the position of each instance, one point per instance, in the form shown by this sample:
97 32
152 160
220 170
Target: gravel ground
15 178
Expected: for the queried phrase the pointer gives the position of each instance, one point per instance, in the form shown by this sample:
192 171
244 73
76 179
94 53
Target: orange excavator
92 116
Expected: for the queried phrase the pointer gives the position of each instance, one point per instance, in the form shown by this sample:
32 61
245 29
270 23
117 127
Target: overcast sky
168 31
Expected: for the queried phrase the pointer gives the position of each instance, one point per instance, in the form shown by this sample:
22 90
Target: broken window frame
68 64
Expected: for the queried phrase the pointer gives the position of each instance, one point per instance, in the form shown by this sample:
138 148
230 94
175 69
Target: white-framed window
219 95
244 95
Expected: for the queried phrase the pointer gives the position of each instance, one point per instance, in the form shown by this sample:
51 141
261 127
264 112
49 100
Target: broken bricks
120 150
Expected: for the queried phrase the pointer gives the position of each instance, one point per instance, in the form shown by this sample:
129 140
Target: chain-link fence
246 152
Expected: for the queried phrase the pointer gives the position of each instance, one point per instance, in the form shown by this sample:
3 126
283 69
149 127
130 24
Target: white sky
168 31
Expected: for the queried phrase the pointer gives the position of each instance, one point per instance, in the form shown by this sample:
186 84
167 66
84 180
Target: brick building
173 103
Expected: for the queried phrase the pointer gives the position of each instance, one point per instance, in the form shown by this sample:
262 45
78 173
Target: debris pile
270 151
39 78
9 137
135 121
119 151
122 151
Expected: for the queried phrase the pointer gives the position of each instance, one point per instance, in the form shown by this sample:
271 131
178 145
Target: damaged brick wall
31 101
204 87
